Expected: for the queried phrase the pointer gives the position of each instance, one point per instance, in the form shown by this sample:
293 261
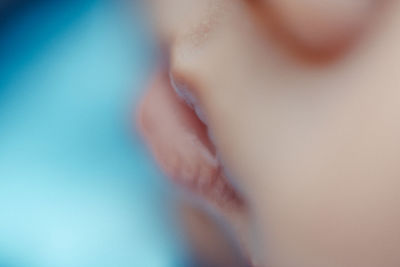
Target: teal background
77 187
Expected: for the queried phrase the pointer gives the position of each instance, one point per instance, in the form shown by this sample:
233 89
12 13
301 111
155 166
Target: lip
174 127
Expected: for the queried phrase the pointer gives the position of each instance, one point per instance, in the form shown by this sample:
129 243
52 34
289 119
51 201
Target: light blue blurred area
76 188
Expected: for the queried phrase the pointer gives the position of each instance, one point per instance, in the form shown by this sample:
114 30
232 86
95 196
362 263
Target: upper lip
174 127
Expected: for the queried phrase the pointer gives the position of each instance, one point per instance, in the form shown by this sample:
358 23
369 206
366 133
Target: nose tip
320 24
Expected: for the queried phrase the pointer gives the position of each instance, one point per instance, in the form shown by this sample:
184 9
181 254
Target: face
284 115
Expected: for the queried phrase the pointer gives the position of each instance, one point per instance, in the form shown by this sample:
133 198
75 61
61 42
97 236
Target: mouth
176 131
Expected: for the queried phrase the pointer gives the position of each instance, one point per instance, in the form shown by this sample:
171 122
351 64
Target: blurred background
76 186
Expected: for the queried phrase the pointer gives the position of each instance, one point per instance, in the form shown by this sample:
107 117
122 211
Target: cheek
336 202
331 229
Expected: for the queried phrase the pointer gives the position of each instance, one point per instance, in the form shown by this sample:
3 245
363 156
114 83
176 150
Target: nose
319 24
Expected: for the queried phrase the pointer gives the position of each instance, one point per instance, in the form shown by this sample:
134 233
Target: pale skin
301 100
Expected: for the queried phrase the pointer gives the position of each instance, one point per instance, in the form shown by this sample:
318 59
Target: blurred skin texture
284 115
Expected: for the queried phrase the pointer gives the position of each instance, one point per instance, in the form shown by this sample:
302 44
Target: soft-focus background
75 188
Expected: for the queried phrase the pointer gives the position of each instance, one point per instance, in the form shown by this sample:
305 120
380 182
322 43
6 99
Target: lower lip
178 138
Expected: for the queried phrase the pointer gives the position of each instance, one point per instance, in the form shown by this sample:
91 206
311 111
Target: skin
301 125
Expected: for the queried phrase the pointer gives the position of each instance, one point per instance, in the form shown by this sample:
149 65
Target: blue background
77 187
